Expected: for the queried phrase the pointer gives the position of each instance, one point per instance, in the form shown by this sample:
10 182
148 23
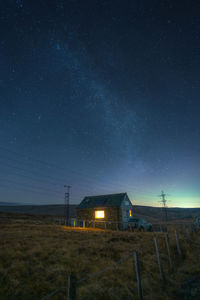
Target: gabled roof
102 200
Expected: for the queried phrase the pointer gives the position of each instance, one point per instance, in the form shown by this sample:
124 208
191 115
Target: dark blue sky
101 95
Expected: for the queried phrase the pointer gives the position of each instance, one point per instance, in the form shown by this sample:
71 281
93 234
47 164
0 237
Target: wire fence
73 283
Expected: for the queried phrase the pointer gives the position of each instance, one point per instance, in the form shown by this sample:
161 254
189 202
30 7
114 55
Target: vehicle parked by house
141 224
197 223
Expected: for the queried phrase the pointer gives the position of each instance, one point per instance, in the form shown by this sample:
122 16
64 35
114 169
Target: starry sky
100 95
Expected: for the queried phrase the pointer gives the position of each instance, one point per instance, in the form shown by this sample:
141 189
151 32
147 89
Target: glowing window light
130 213
99 214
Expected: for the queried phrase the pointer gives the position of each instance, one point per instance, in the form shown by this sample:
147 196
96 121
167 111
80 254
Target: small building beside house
105 211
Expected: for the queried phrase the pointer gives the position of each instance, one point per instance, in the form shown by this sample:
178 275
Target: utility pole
164 206
66 211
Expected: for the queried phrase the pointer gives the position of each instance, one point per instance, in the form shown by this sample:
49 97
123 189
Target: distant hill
173 213
9 203
148 212
57 209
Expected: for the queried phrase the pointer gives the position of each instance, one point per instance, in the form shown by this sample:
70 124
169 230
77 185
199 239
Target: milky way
101 95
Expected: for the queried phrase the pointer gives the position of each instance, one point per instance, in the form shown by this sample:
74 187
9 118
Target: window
99 214
130 213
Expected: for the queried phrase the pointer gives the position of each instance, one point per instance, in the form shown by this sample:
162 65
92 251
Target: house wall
126 206
111 214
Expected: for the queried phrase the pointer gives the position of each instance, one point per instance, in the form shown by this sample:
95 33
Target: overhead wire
7 186
109 186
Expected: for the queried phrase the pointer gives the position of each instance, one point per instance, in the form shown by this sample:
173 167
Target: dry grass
37 259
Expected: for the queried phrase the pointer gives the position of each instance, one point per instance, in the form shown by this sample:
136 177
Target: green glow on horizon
177 200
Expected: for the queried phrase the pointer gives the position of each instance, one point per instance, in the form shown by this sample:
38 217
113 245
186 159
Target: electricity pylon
164 206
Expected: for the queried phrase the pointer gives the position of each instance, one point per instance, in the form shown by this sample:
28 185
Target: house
113 210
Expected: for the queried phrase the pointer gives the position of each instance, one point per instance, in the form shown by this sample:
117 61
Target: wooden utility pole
67 204
71 288
162 276
178 244
137 270
168 250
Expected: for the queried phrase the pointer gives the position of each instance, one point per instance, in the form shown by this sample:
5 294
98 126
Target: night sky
100 95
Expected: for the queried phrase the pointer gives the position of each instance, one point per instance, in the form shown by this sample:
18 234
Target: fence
111 225
73 283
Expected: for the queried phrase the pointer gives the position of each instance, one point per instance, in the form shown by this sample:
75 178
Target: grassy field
36 259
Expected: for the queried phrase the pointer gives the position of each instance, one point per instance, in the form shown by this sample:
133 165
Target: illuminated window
99 214
130 213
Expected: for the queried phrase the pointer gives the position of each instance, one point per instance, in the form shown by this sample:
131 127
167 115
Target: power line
84 189
77 173
43 178
28 177
31 158
56 192
105 186
32 189
26 170
7 186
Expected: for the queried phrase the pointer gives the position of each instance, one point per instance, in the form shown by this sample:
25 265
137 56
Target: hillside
151 213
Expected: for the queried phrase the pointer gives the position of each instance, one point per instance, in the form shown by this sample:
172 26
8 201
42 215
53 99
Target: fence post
178 244
137 270
71 287
159 260
168 250
187 233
